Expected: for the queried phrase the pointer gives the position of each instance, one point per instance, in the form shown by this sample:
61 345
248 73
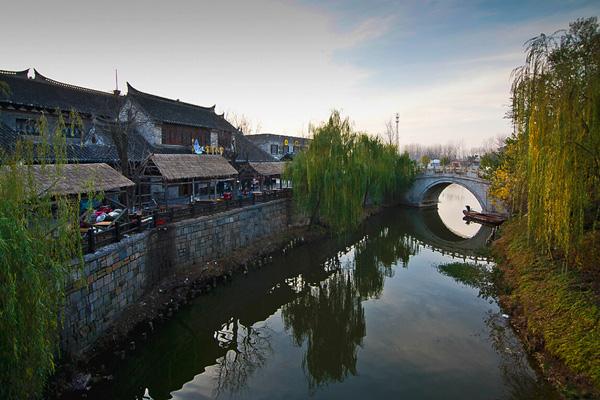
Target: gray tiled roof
87 152
178 112
43 93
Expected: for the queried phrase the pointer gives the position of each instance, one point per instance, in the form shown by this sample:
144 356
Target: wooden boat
483 218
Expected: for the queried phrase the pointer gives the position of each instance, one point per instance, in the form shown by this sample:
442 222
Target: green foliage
39 237
425 160
509 177
342 170
489 164
552 171
445 161
559 306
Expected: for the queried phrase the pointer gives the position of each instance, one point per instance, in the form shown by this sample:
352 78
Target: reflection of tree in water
247 350
477 276
330 317
375 256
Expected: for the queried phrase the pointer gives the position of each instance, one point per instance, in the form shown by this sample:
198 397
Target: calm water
370 316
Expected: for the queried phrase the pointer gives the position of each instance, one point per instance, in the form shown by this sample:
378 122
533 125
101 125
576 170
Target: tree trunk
313 217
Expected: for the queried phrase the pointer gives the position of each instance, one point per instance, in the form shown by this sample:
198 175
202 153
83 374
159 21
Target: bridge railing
464 171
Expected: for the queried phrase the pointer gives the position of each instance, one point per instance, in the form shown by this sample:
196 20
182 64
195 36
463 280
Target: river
383 313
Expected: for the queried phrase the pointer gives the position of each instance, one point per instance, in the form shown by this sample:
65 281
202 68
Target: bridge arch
432 192
427 188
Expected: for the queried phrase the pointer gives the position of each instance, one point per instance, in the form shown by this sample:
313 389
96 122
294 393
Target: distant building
434 164
279 146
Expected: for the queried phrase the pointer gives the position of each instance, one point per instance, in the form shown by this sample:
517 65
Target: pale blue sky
443 65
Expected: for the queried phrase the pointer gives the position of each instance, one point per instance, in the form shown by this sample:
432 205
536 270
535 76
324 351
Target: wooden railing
93 240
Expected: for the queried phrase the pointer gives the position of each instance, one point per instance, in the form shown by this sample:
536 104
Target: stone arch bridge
428 186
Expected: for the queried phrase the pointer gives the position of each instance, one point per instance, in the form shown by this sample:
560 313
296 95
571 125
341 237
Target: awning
77 178
185 166
268 168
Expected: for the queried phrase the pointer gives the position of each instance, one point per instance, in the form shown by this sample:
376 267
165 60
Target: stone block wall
118 275
213 237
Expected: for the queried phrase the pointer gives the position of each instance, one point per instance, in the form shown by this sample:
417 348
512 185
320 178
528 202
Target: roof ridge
22 74
136 91
44 79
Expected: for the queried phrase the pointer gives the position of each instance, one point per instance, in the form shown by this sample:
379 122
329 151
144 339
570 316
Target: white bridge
428 186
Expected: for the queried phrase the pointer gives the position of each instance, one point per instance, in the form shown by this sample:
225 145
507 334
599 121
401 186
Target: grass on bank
561 305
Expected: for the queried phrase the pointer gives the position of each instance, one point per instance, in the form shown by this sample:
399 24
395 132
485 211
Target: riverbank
555 310
139 320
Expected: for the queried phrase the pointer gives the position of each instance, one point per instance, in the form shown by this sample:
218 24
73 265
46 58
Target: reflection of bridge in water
428 228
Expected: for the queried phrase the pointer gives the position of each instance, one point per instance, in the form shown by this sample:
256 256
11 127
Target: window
274 149
185 189
27 126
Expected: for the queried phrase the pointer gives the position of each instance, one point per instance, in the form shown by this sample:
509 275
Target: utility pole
397 136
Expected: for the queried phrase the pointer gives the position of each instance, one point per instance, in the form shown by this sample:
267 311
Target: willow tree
39 236
341 170
322 175
556 114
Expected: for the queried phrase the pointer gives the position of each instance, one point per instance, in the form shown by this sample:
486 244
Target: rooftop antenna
116 91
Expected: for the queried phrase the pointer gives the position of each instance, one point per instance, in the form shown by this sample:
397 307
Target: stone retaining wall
118 275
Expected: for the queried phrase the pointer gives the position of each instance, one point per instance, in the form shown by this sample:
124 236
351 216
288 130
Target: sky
443 66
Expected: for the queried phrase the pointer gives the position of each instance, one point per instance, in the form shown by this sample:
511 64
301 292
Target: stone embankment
116 277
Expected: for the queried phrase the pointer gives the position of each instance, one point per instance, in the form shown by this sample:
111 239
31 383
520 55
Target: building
171 179
73 179
262 175
145 123
164 121
279 146
31 95
88 140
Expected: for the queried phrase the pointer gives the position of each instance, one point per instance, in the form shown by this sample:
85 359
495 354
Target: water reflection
247 350
452 200
361 316
520 381
331 319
